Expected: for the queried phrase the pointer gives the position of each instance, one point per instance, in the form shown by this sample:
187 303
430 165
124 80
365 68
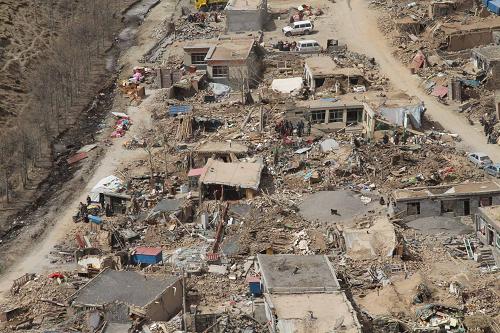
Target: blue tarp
485 2
329 99
175 110
471 83
494 6
95 219
398 115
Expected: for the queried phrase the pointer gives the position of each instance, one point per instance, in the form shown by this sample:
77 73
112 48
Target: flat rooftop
344 101
222 147
241 174
321 65
200 44
288 274
132 288
244 4
332 312
236 49
491 52
445 190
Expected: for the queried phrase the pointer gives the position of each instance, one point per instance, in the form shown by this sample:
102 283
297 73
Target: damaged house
245 15
488 229
379 119
450 200
302 294
124 295
486 58
330 113
230 181
225 151
322 71
441 8
233 61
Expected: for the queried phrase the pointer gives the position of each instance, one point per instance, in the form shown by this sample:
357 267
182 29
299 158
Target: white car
298 28
308 46
480 159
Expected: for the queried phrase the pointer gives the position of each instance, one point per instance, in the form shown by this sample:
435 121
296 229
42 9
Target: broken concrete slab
334 207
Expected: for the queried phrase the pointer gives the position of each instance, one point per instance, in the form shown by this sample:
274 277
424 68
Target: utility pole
261 126
184 310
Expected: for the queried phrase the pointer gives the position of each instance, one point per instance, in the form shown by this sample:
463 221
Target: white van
306 46
298 28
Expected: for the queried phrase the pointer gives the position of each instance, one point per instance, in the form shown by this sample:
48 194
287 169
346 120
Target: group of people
287 128
396 138
84 208
489 128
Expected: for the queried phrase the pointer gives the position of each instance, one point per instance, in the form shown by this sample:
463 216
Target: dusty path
36 259
356 25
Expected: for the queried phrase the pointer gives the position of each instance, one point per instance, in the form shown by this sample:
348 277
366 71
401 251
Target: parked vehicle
480 159
306 46
298 28
205 5
493 170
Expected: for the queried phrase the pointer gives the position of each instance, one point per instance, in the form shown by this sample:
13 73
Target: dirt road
37 259
355 24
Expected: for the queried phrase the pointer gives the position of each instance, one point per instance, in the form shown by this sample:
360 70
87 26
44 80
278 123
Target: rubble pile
437 31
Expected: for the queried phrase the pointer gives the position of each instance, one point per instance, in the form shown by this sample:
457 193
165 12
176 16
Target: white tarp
219 89
107 184
287 86
401 115
329 145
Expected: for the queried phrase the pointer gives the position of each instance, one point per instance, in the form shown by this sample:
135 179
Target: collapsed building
487 228
323 71
486 58
462 37
226 181
452 200
224 151
123 295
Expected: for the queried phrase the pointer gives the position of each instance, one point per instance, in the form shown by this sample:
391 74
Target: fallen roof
128 287
331 312
222 148
230 50
321 66
445 190
491 52
288 273
241 174
166 205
